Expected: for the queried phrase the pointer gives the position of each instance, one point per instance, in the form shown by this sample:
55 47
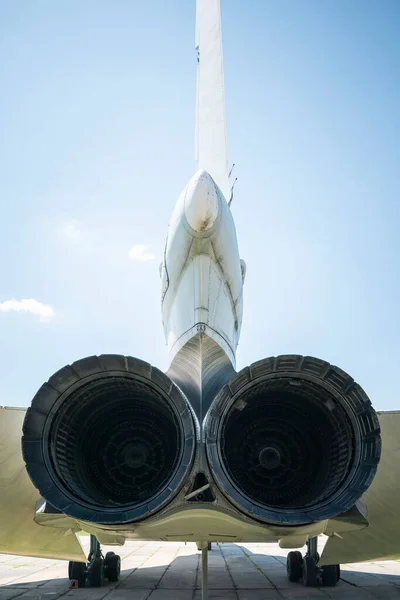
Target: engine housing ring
337 396
138 398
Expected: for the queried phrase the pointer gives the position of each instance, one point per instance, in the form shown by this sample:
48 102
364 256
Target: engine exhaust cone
108 439
292 440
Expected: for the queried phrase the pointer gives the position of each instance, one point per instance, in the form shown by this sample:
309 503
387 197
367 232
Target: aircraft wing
381 539
19 534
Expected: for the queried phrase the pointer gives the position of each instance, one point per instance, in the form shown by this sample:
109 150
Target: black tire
309 572
209 546
337 572
113 567
294 563
329 575
77 570
107 556
96 574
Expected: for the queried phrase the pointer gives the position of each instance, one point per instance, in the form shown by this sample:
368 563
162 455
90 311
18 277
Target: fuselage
202 274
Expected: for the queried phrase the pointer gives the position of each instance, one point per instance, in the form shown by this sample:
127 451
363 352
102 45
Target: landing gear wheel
294 563
337 572
329 575
209 546
309 571
96 573
77 570
112 566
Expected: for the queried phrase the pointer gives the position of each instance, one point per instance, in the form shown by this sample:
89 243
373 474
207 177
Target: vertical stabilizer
211 150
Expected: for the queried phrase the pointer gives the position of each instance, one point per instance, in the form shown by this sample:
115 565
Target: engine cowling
109 439
292 440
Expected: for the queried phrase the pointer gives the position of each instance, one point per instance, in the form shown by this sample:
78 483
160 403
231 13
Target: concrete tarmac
172 571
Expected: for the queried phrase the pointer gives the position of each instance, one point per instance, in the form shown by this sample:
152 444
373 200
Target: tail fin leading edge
211 147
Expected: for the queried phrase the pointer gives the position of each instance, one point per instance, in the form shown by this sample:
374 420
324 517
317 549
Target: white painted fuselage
202 274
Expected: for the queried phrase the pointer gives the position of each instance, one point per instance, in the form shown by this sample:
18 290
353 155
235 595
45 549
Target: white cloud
73 230
141 253
30 305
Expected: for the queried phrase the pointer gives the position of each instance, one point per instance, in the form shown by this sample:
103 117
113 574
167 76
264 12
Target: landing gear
77 572
294 565
112 566
95 575
329 575
309 571
307 568
200 545
97 569
204 573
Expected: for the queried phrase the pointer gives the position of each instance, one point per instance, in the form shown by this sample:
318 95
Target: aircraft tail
211 148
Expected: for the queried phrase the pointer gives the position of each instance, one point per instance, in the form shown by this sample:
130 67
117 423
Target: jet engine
108 439
292 440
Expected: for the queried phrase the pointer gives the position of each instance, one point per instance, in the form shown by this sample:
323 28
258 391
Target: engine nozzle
108 439
293 440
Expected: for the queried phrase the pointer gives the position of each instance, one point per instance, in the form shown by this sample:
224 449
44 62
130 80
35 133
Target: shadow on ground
235 573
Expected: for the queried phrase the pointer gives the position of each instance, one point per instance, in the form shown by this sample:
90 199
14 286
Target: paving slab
118 594
165 594
216 595
172 571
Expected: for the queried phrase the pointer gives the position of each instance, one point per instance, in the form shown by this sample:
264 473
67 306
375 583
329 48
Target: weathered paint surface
19 534
381 539
202 274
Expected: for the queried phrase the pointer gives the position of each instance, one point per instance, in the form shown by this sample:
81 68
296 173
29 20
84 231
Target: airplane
283 451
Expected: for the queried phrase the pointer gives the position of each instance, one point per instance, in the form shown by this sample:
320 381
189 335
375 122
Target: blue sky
97 113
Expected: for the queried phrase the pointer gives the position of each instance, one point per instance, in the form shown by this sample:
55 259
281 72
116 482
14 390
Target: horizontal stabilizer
381 539
19 534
